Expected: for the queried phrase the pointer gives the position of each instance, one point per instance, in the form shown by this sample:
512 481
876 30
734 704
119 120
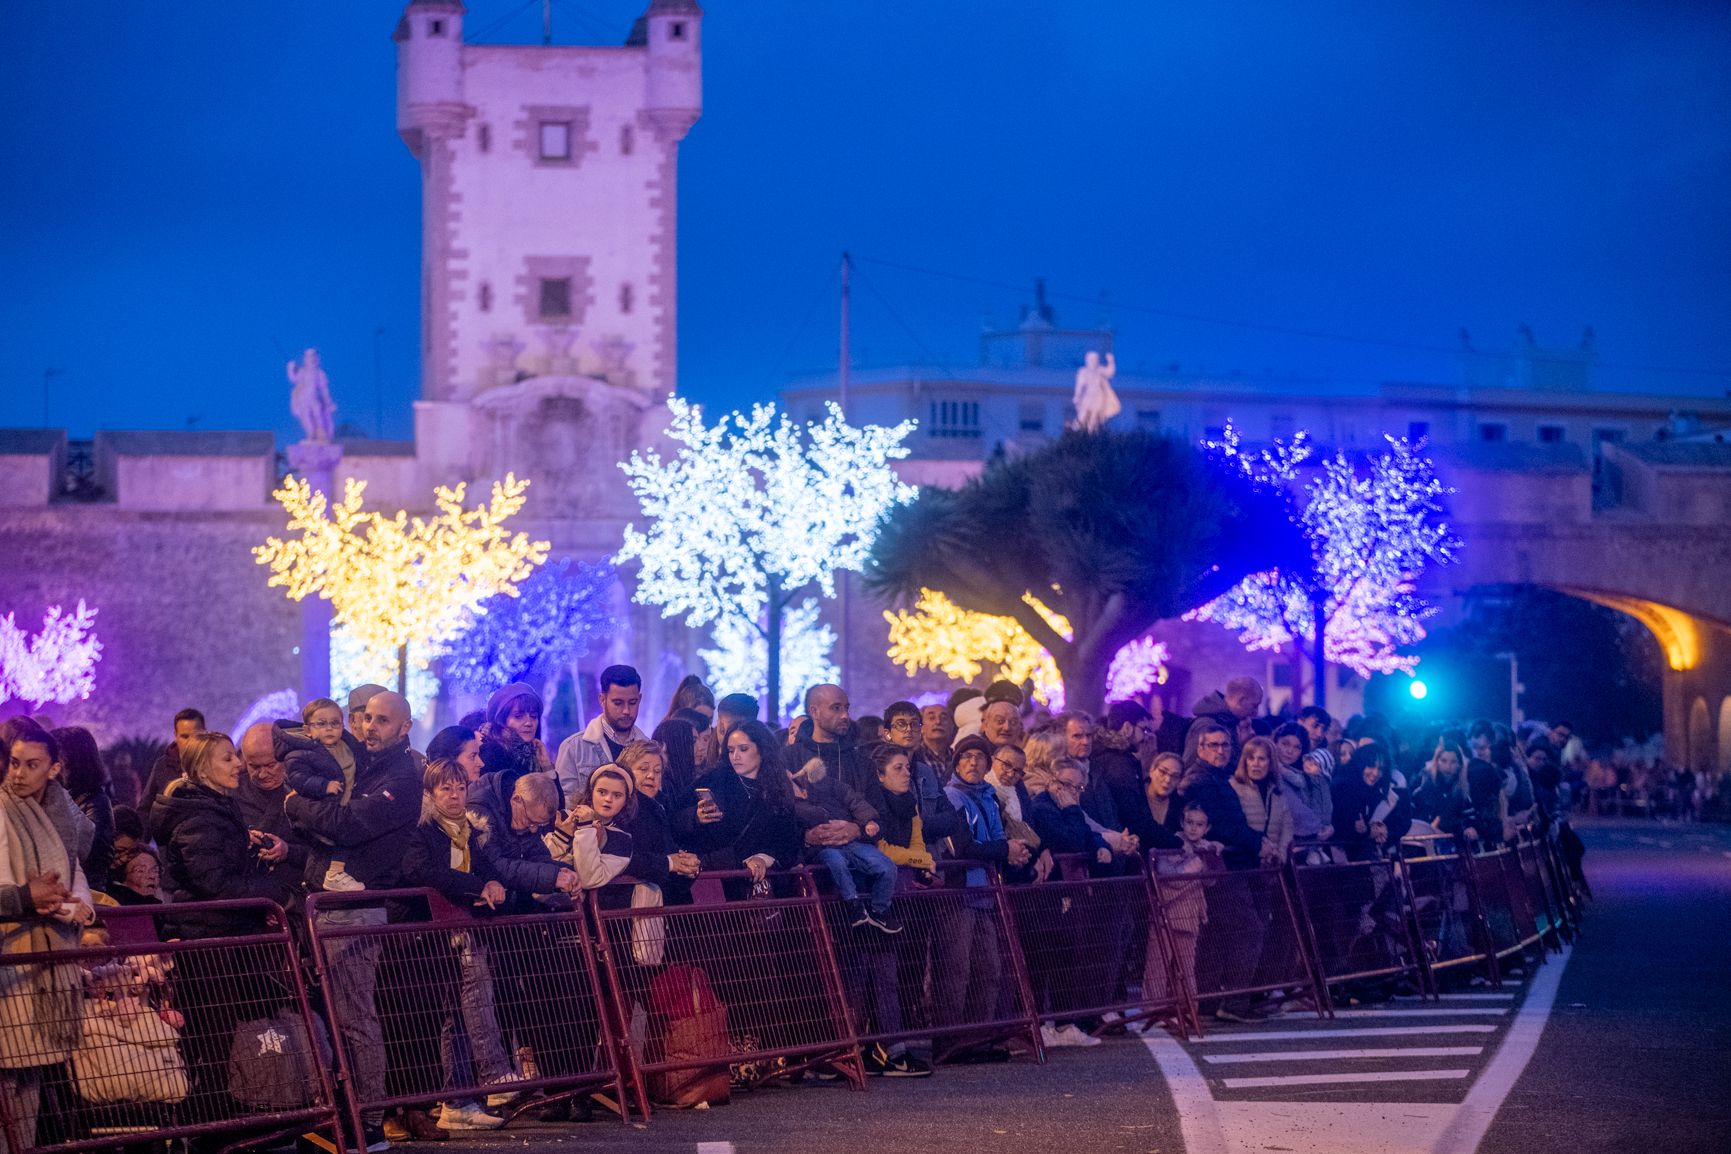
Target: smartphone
704 795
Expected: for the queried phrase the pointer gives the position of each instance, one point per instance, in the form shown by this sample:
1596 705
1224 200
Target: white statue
310 401
1095 401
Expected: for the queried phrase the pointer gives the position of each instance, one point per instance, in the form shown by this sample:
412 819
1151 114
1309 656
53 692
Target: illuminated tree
56 665
939 634
1112 531
396 580
753 511
1373 527
548 624
740 659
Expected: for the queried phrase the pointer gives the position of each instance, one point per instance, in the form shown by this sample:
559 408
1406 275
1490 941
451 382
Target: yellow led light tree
396 582
938 634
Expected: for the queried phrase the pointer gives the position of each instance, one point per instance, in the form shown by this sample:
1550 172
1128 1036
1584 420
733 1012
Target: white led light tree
1373 532
56 665
754 511
740 659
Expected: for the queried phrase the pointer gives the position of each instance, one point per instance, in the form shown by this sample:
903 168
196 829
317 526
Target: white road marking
1360 1032
1424 1012
1496 1081
715 1148
1344 1079
1489 997
1348 1055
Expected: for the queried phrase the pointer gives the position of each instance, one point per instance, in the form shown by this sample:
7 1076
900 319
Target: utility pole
546 22
841 380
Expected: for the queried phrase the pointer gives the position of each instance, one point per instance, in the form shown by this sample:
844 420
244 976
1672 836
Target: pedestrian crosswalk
1406 1050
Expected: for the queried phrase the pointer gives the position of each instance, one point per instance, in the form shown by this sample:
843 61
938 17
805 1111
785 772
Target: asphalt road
1629 1039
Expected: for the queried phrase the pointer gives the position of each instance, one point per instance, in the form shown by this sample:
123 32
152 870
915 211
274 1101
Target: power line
906 328
1259 326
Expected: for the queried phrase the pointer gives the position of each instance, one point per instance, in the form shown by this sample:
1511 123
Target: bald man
262 792
369 832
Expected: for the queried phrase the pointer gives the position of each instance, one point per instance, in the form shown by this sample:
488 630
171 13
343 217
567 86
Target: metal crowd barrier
149 1039
1094 945
1446 910
429 1002
1236 933
954 975
728 986
1358 918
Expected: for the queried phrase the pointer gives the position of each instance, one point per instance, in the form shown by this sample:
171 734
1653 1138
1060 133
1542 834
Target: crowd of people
336 801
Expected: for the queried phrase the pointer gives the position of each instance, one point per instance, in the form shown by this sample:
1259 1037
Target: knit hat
361 694
1324 760
499 705
976 742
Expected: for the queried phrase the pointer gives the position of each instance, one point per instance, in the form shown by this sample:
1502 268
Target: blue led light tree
550 623
1374 528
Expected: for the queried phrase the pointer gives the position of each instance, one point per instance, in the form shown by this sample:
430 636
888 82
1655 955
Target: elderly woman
44 902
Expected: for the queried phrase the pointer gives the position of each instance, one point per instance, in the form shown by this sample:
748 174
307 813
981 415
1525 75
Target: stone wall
183 612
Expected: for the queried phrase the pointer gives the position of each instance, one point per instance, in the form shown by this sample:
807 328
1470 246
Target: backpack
691 1025
273 1065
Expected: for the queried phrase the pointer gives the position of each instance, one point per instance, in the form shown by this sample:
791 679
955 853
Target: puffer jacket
1266 814
1309 800
208 856
370 834
308 765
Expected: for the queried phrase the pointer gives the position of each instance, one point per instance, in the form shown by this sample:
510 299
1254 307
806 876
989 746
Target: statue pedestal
316 461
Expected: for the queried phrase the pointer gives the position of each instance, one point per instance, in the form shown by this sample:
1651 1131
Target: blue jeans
869 863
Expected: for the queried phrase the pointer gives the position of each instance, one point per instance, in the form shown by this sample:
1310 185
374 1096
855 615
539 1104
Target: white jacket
582 753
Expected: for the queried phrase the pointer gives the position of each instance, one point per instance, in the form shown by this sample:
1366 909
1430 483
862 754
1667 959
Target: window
1033 417
555 298
1417 430
436 28
626 140
1552 434
555 140
960 419
484 137
1493 431
1148 420
626 297
486 297
676 30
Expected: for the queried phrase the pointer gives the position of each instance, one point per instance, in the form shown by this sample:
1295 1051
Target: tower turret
673 32
429 71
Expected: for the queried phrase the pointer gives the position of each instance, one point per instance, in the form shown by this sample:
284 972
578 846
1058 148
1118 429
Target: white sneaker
338 880
1051 1038
470 1117
1076 1037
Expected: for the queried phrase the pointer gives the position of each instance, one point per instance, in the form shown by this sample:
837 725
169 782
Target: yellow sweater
913 855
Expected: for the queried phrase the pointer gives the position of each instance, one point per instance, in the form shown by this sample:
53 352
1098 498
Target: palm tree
1114 531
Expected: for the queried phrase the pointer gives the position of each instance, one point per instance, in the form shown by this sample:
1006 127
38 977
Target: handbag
693 1026
127 1054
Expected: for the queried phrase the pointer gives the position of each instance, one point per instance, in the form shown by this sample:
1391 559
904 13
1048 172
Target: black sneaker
907 1066
875 1059
888 922
374 1137
857 914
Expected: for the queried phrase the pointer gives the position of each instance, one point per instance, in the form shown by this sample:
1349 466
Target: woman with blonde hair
1256 781
1043 748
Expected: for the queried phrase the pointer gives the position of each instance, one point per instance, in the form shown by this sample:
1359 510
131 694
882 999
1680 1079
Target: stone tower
548 316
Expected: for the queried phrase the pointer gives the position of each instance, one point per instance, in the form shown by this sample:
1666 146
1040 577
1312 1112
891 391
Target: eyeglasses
1214 745
902 725
1072 786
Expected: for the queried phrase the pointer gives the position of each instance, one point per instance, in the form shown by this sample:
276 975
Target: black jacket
1355 801
506 754
1118 773
164 771
747 826
370 835
208 856
1063 829
263 811
429 864
1211 789
519 858
652 842
845 761
99 808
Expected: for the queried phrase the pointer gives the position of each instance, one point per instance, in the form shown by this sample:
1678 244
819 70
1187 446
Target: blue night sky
193 189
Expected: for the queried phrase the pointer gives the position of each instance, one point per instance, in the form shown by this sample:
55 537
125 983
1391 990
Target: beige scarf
34 847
